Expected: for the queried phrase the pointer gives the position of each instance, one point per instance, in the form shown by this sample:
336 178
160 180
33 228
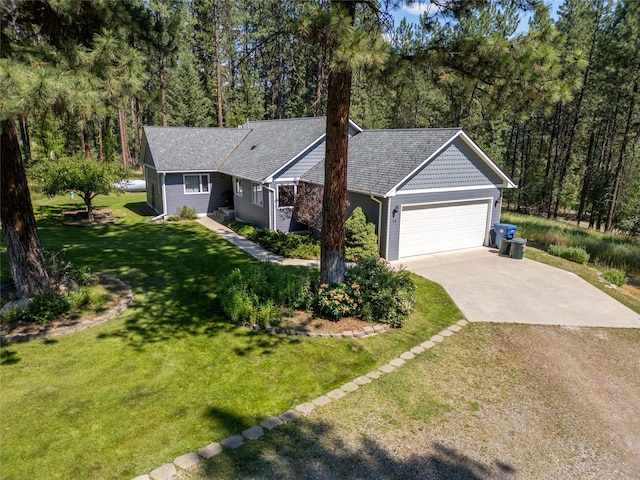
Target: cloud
417 8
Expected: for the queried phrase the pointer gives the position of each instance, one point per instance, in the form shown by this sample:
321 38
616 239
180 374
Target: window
286 196
196 183
256 193
237 186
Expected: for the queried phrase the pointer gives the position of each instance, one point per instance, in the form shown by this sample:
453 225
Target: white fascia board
448 189
305 150
506 181
355 125
393 191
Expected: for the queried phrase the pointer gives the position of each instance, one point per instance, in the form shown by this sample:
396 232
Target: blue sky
413 11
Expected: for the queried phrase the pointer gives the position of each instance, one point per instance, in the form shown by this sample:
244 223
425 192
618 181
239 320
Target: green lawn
169 375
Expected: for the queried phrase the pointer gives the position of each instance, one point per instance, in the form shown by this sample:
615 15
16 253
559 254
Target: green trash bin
505 247
517 247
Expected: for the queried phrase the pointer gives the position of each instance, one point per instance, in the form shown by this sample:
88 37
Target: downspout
272 218
164 200
379 202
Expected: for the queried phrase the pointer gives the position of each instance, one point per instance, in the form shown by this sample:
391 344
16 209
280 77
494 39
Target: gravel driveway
492 402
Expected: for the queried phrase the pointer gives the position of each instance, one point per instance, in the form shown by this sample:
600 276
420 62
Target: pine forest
553 100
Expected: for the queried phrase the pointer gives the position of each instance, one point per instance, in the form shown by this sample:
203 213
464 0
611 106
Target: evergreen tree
187 104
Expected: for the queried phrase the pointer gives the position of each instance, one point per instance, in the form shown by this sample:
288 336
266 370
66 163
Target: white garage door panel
439 228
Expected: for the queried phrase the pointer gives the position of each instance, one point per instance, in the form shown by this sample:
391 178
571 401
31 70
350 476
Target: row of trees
553 105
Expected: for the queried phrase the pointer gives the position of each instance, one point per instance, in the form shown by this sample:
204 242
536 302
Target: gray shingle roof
181 149
380 159
270 144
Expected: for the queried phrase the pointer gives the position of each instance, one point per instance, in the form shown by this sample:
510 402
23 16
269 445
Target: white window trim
255 188
237 186
295 192
201 177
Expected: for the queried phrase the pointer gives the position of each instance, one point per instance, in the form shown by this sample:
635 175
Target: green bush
260 294
574 254
615 276
337 301
243 229
361 240
288 245
184 213
387 294
47 306
86 297
81 275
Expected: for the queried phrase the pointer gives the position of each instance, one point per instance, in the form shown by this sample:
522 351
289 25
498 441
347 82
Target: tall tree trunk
124 141
163 92
621 160
86 138
100 142
26 140
334 202
320 81
216 29
18 222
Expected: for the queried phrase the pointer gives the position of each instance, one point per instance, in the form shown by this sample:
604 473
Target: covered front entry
432 228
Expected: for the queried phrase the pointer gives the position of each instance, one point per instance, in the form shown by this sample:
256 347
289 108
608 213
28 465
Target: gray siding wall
456 166
303 164
420 198
176 198
247 211
284 216
154 189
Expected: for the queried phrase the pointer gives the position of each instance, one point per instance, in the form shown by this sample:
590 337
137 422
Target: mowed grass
609 250
169 375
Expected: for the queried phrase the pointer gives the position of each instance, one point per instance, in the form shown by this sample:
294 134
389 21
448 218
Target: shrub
574 254
259 294
86 297
337 301
615 276
361 240
243 229
387 294
288 245
184 213
81 275
47 306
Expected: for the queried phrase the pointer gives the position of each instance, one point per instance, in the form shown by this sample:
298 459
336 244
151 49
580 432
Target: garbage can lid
504 225
519 240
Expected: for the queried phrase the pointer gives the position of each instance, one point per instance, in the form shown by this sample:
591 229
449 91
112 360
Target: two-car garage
440 227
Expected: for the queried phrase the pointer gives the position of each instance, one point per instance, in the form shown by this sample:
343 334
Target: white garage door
428 229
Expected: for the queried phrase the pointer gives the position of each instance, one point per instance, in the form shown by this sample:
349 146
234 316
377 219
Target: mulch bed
78 218
305 322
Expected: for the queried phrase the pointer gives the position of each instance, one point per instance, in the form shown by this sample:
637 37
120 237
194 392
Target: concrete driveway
491 288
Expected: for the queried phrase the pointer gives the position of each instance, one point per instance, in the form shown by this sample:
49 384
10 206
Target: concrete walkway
492 288
251 248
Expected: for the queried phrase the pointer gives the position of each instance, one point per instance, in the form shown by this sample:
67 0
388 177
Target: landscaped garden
171 374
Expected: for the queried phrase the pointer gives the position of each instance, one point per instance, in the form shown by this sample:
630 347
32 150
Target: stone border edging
124 303
191 459
364 333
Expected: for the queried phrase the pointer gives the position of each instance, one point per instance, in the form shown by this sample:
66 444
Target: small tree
361 240
307 208
85 177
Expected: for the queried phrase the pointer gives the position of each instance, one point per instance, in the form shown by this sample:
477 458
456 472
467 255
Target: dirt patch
79 218
118 297
305 322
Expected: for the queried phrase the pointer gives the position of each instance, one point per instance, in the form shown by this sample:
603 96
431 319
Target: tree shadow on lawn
174 271
308 449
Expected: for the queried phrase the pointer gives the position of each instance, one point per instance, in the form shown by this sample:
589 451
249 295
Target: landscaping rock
362 380
446 333
271 423
187 461
350 387
141 477
397 362
454 328
289 416
233 442
321 401
387 368
374 375
305 408
428 344
437 338
210 450
407 355
336 394
417 350
253 433
165 472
